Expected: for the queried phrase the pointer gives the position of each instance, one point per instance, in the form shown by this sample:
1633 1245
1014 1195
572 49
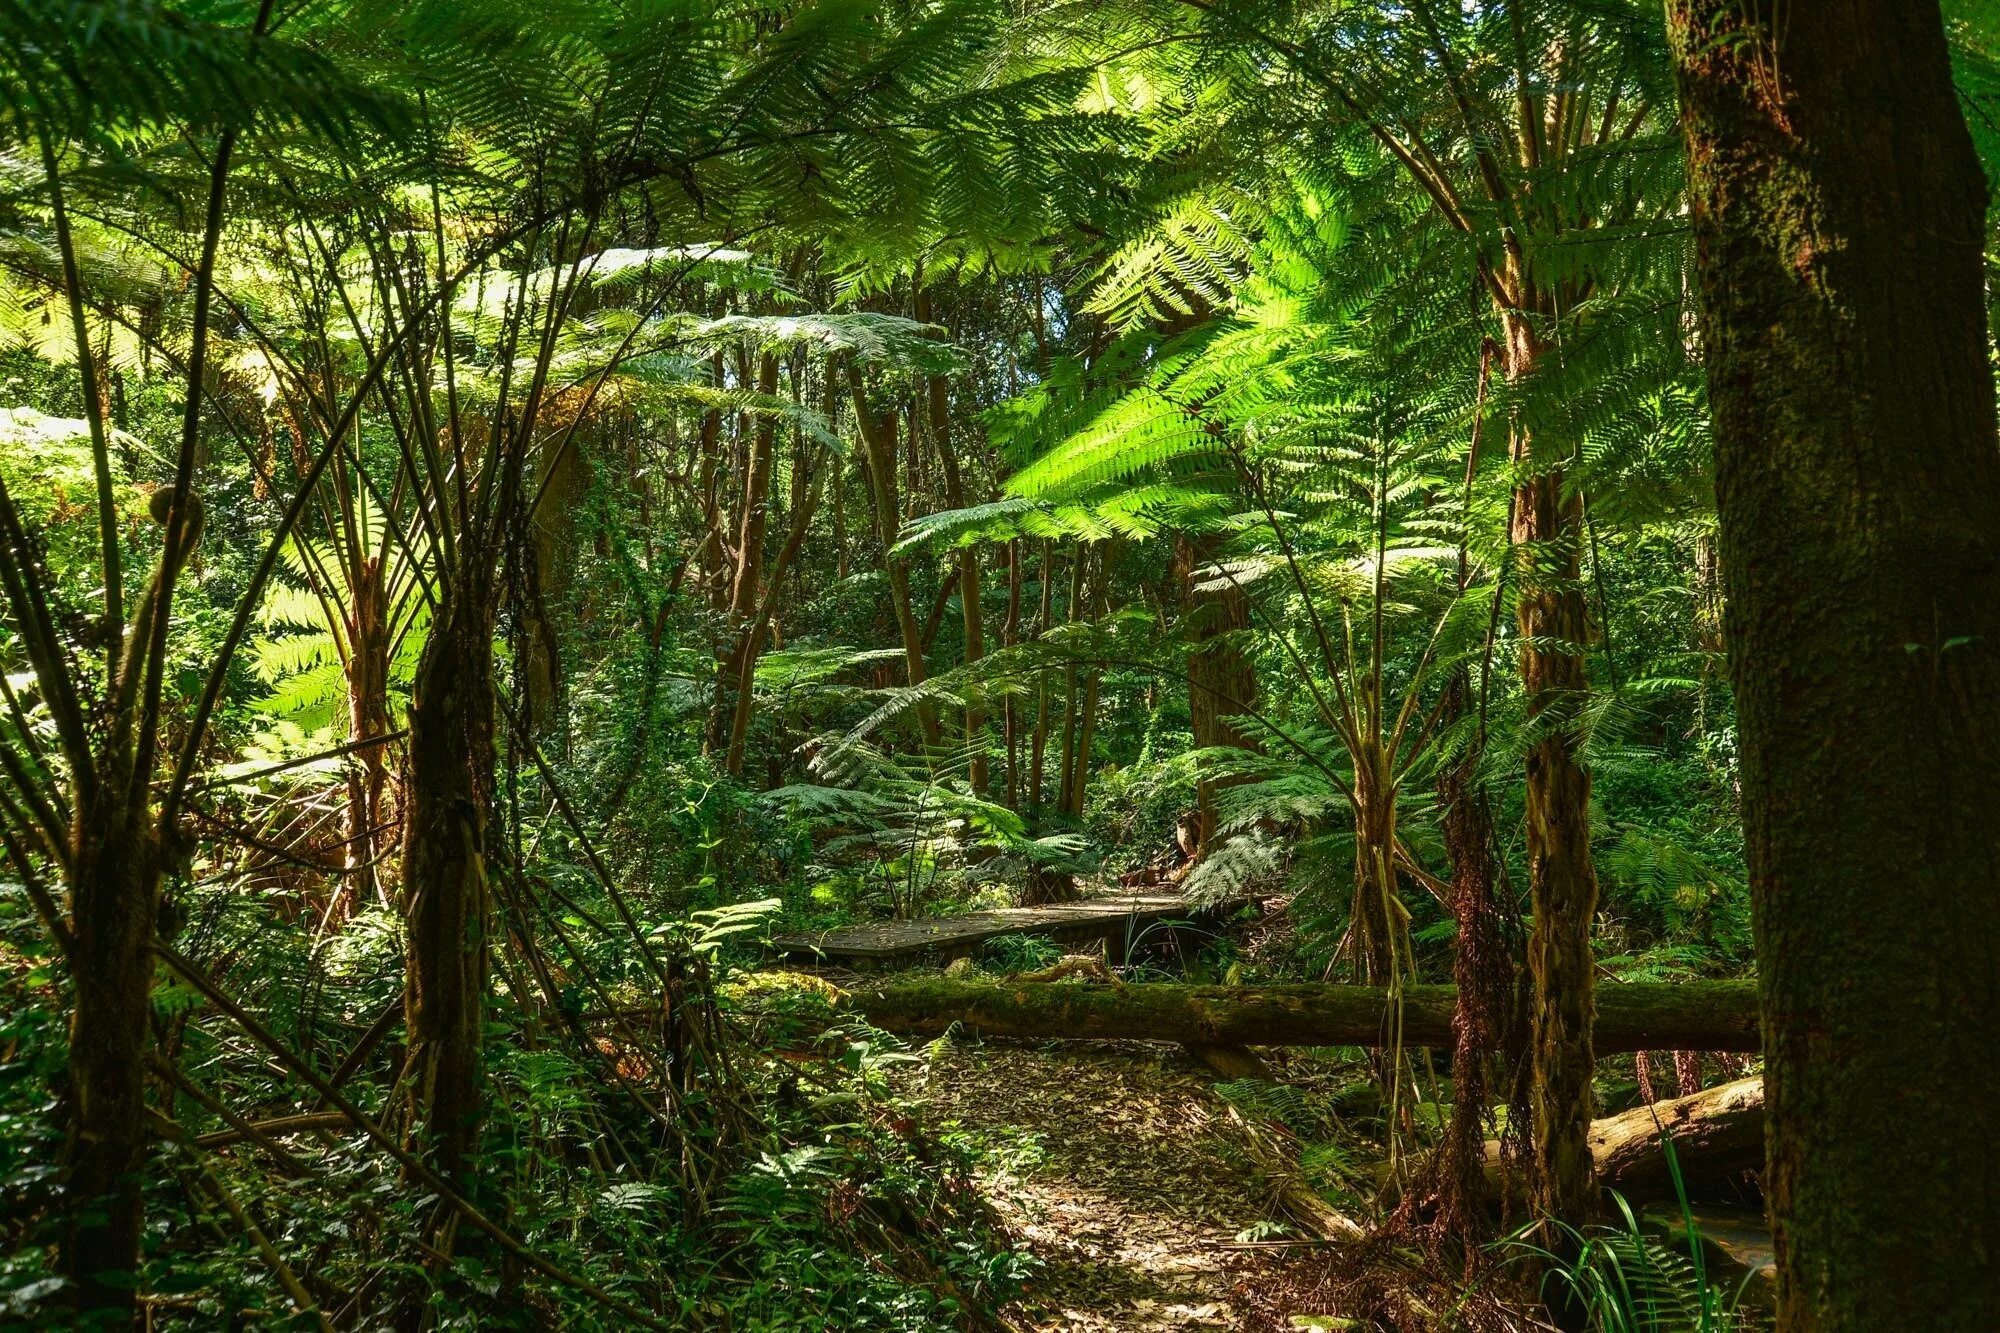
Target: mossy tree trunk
1481 971
1840 212
115 887
1552 619
1222 679
447 895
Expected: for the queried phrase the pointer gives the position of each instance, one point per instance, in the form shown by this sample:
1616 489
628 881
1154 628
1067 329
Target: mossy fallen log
1693 1015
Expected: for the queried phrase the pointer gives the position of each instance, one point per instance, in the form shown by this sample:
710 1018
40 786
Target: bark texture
1839 212
878 440
1482 973
938 405
1713 1015
749 644
1553 620
367 673
116 860
563 486
1222 680
115 882
447 902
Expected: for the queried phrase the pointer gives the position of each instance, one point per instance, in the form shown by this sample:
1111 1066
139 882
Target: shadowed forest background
941 664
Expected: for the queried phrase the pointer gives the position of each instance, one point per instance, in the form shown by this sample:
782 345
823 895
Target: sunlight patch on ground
1108 1163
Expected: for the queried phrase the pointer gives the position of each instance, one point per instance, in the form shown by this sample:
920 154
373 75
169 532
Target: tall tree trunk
1066 770
714 549
754 517
968 585
878 440
840 525
1378 913
1552 618
367 720
750 644
1038 744
1086 737
115 894
1481 972
1222 680
1010 724
552 541
1839 213
939 405
745 581
444 870
1100 591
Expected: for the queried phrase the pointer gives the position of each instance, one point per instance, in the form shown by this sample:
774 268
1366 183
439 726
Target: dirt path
1118 1169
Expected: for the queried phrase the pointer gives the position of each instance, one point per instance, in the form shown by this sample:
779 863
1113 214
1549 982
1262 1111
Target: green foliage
1626 1280
1161 306
1007 954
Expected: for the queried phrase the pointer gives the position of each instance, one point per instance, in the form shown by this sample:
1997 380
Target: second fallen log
1717 1133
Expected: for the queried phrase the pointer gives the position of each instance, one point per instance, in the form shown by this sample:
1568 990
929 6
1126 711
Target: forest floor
1123 1174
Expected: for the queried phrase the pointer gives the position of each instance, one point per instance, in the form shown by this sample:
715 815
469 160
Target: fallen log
1717 1133
1692 1015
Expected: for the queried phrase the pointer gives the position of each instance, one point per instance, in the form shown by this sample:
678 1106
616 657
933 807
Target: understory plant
1625 1279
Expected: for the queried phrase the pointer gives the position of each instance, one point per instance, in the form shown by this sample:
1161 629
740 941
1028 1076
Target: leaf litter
1121 1173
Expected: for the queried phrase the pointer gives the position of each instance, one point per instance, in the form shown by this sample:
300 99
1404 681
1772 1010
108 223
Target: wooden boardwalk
1114 919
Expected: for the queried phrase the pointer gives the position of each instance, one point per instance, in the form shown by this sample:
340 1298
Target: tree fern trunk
1222 680
878 438
367 720
1481 971
1840 216
1039 741
938 402
446 891
1066 769
1010 725
115 891
552 542
1551 617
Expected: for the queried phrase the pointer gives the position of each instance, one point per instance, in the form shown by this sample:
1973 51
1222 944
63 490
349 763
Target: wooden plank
957 934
